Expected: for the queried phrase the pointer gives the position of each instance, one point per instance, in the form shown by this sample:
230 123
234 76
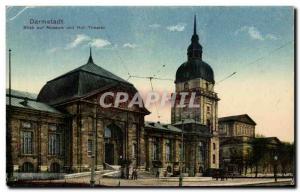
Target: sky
254 42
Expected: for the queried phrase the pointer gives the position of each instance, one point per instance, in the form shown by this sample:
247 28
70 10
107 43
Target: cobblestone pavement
151 182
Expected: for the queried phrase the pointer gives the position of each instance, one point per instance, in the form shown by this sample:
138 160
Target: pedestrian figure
157 174
135 174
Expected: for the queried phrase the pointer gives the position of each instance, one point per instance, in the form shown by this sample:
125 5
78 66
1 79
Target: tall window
156 150
214 159
214 146
168 150
208 110
201 152
182 151
90 147
134 150
54 144
27 144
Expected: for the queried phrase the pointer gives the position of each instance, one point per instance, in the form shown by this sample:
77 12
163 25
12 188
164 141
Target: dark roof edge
81 70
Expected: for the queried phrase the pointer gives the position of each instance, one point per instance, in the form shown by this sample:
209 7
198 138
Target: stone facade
162 144
236 134
35 128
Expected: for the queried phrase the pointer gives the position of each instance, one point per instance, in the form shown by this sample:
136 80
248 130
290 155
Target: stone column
44 146
141 148
100 145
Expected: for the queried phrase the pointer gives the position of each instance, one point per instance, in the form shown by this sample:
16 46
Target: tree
259 148
286 157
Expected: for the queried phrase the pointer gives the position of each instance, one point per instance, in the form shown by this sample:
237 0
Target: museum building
64 129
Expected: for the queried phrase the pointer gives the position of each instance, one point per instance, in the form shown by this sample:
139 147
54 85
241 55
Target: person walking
135 174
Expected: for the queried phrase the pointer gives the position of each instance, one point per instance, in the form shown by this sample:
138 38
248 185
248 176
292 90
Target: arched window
27 167
55 168
214 146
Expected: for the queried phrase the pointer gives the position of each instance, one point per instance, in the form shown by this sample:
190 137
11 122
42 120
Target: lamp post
93 157
275 167
181 156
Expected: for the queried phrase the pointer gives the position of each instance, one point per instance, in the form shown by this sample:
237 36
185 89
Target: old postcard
150 96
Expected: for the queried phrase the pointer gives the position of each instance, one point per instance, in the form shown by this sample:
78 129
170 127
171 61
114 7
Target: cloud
271 36
254 33
79 39
99 43
129 45
85 39
154 25
178 28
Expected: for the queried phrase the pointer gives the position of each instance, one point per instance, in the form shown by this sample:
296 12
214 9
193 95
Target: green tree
286 157
259 149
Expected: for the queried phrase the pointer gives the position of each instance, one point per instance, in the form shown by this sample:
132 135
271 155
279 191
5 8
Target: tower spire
195 49
195 25
90 58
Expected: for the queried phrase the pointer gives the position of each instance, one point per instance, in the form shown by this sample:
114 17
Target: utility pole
9 165
9 63
93 158
181 156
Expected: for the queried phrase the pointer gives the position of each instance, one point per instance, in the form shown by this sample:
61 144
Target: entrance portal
109 153
113 136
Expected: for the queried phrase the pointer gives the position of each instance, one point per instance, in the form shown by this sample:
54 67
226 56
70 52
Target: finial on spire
195 25
90 58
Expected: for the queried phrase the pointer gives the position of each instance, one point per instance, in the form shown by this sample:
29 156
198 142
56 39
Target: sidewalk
154 182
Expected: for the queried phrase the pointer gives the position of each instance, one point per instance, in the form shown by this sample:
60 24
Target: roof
194 127
19 101
240 118
79 82
269 140
22 94
195 67
162 127
187 121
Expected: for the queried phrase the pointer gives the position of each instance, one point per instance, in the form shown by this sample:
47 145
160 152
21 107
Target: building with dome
196 128
64 129
200 124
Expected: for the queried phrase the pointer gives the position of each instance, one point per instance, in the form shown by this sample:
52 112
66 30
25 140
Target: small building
162 142
236 134
237 143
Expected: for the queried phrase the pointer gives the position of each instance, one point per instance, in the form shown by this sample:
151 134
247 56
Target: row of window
156 154
27 145
169 150
27 139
